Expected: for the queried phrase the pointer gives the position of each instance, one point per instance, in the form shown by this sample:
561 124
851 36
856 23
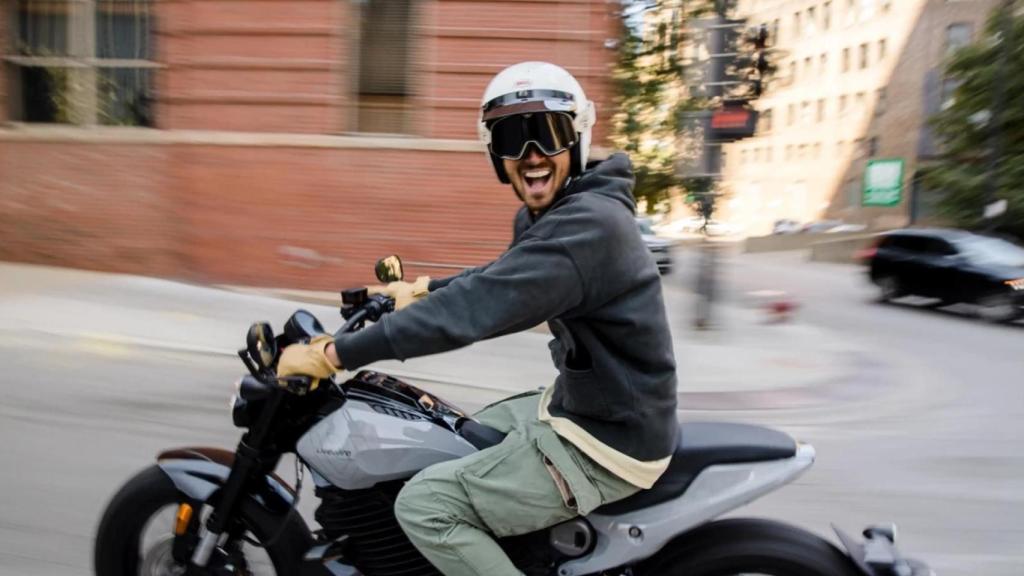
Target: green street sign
883 182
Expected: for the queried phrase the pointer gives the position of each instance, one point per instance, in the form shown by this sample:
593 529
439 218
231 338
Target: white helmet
532 87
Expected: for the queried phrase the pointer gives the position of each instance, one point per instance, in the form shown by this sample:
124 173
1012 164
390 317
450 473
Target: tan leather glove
404 293
307 360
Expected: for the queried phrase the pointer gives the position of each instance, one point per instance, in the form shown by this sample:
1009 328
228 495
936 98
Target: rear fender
199 472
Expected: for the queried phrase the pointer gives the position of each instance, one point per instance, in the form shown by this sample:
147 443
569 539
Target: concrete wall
253 175
785 242
841 251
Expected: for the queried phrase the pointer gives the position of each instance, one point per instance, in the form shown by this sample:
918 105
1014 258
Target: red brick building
267 142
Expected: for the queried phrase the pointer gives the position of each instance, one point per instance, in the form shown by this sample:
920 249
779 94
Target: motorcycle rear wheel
742 547
122 550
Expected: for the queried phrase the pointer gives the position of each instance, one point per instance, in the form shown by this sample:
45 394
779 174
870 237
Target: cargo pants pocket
513 490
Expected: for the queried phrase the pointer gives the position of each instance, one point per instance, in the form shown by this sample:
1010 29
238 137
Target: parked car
718 228
820 226
786 226
952 266
661 249
680 226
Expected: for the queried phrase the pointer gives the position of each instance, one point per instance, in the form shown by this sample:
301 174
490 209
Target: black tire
999 309
749 546
889 288
116 550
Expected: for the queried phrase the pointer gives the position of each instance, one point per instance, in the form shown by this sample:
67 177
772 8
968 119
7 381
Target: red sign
734 118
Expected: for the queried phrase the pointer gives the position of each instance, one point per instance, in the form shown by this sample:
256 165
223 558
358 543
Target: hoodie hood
612 177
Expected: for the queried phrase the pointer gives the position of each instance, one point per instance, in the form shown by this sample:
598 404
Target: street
923 427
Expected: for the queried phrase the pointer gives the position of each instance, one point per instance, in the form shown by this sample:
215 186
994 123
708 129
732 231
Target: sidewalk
741 365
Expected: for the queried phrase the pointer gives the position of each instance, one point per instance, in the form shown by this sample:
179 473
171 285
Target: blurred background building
856 83
267 142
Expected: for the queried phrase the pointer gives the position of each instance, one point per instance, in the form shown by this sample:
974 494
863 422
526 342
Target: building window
883 49
842 105
385 86
796 25
768 154
790 114
820 115
823 64
775 31
861 102
846 60
817 150
949 88
83 62
867 9
812 20
766 121
882 102
826 15
873 147
807 67
805 113
957 36
792 71
863 56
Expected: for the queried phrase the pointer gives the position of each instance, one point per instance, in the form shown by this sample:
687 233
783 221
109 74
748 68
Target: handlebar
302 326
353 321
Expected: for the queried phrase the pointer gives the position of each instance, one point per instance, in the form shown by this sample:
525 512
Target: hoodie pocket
584 395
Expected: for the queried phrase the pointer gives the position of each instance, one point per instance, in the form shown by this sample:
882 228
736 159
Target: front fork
215 532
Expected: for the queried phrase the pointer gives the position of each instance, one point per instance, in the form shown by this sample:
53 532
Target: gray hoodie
582 267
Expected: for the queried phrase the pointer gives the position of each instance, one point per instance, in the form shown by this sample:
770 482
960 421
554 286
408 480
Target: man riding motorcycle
607 427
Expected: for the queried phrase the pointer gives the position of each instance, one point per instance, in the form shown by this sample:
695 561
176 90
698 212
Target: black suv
952 266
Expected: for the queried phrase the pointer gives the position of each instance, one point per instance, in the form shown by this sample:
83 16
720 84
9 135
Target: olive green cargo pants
530 481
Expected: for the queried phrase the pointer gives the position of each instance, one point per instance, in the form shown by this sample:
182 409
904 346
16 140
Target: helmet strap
499 168
576 166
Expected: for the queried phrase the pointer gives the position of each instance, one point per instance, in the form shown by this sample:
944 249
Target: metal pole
998 103
706 273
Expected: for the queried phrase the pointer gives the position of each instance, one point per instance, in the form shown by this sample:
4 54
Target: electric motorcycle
214 512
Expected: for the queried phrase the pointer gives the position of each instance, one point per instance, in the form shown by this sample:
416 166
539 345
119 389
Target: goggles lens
552 132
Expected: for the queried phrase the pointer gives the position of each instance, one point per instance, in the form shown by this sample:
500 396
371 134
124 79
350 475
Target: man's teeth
538 173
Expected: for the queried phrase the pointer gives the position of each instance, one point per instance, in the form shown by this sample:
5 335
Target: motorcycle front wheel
748 547
136 535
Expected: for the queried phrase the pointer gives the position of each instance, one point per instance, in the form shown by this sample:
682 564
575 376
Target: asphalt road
930 436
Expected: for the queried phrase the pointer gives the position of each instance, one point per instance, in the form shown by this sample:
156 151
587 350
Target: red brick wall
468 41
253 65
89 206
311 215
265 216
284 65
320 217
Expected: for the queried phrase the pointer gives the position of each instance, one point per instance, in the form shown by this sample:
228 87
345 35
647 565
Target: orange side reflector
183 518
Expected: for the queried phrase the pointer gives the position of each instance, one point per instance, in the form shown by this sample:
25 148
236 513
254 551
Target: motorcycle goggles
551 132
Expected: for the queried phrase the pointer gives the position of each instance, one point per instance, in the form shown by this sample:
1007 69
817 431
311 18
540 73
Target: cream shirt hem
637 472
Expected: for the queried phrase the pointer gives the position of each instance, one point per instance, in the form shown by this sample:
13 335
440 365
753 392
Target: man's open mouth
537 180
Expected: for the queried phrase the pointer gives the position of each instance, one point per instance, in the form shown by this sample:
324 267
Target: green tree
967 123
652 91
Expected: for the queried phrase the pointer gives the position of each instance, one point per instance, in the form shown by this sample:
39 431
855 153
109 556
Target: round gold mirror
389 269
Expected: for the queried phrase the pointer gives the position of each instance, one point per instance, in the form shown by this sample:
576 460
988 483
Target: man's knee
409 505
